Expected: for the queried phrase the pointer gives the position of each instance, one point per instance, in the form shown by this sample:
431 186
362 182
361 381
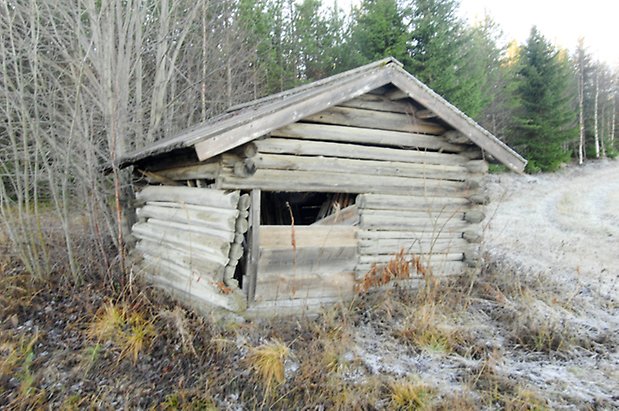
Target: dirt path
565 224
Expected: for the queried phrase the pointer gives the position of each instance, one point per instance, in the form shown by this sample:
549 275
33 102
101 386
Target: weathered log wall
419 186
190 240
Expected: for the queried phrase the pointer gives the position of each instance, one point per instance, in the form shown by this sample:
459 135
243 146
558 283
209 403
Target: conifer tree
378 31
546 118
440 56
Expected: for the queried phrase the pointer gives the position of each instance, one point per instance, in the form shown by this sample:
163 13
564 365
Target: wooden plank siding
304 262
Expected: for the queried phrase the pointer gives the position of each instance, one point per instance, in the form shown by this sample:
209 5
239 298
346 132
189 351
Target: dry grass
267 361
410 395
129 330
142 350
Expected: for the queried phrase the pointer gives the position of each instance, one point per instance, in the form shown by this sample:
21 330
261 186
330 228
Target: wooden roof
246 122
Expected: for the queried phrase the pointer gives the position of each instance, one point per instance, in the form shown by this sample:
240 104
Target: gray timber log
354 166
178 277
281 236
439 269
213 248
379 103
417 224
209 219
355 151
288 286
182 256
477 166
244 202
298 181
325 132
480 198
405 235
189 195
197 171
353 117
416 248
425 114
429 260
456 137
225 235
472 154
474 216
247 150
400 202
472 235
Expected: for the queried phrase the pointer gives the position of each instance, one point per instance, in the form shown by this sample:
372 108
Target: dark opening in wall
307 208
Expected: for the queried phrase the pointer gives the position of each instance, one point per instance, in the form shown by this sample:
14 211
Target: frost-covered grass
505 340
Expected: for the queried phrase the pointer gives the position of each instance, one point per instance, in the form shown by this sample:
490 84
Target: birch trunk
581 114
596 134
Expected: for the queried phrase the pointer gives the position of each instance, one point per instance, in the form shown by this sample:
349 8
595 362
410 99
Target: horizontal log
430 215
213 247
208 218
158 178
456 137
472 154
356 151
223 212
477 166
207 170
413 224
285 287
226 236
346 116
196 261
325 132
299 181
307 260
410 202
170 275
425 114
189 195
278 308
428 260
439 269
391 246
355 166
379 103
280 237
409 235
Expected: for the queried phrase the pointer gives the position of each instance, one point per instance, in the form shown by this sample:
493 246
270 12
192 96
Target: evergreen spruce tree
378 31
546 119
440 54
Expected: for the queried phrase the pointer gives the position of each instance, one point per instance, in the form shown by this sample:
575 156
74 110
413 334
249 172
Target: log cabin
291 201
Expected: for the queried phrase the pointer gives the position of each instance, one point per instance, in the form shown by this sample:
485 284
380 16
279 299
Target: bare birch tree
83 82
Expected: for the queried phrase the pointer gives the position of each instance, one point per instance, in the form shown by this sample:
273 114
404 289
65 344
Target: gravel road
564 224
